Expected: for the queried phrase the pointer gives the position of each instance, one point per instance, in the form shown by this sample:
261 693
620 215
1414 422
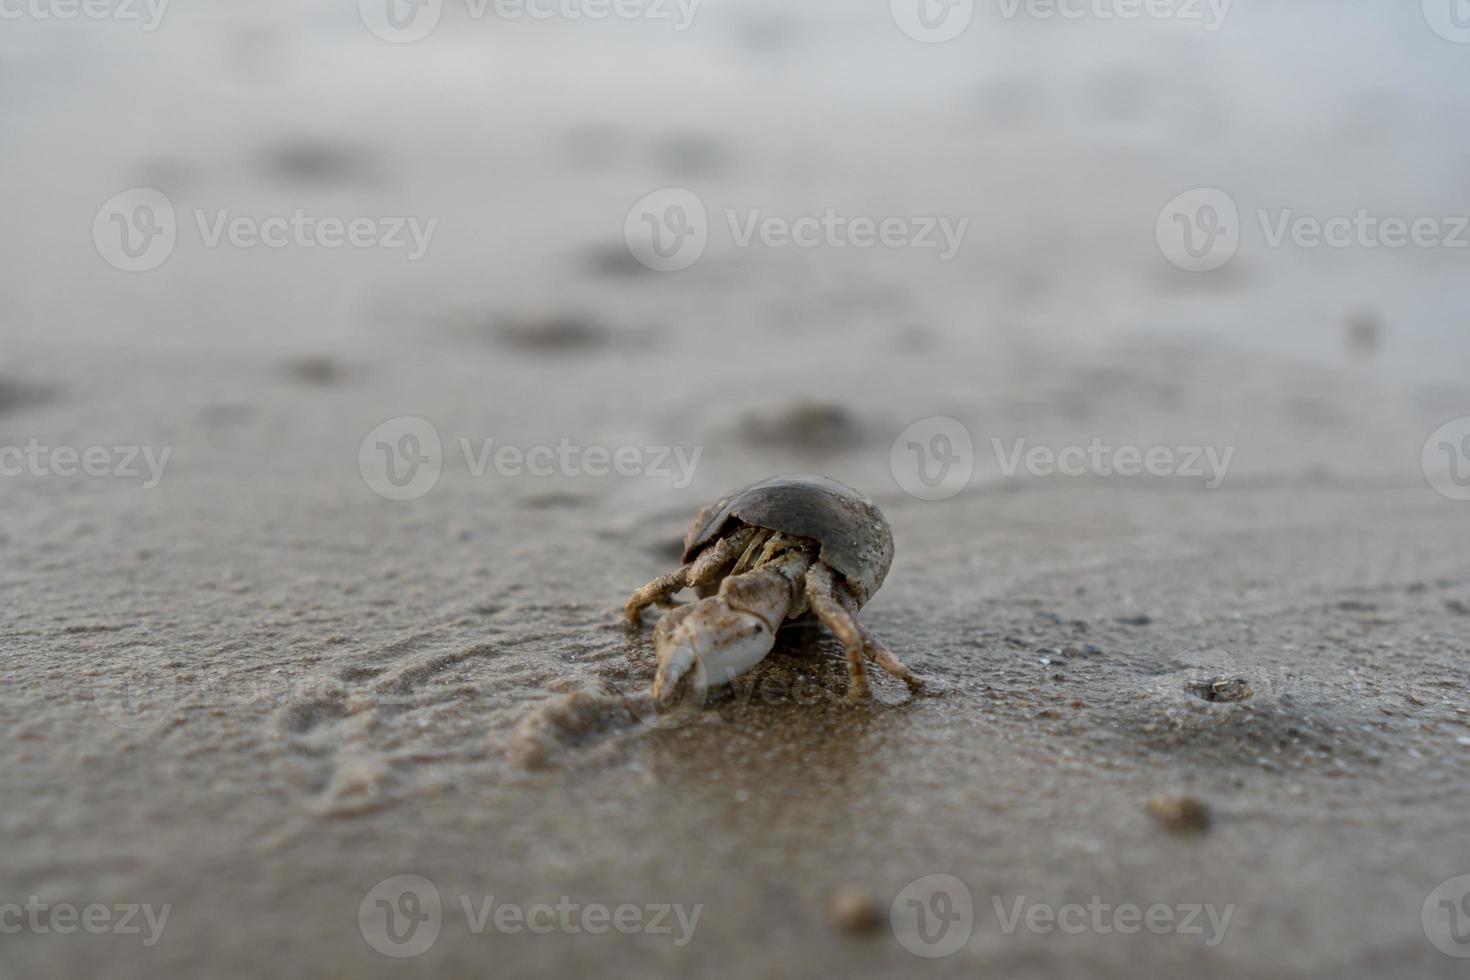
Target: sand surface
258 689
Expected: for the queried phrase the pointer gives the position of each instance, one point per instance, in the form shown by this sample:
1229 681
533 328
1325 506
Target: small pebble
855 911
1364 331
1222 689
1180 814
808 426
315 370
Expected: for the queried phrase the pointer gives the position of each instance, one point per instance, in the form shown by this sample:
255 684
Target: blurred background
1060 138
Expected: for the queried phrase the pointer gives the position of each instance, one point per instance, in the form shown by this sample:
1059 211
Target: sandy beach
313 557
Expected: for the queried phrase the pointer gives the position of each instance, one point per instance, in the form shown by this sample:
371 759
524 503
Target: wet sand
257 690
329 689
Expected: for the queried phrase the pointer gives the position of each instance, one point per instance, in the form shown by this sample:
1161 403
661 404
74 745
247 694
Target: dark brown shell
854 535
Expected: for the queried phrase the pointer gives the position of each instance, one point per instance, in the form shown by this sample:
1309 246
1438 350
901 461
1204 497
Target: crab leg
714 640
820 594
705 568
879 652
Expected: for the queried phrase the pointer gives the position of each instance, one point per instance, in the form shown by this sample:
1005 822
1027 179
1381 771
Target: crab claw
709 645
674 664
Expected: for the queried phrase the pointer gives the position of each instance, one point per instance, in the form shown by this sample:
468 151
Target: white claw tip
671 670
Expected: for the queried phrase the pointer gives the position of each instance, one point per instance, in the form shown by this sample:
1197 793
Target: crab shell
854 536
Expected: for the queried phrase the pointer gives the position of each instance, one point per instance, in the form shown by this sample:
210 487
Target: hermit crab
761 556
